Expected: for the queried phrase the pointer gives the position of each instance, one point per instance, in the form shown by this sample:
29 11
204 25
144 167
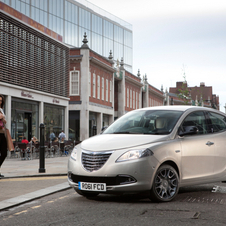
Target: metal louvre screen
31 59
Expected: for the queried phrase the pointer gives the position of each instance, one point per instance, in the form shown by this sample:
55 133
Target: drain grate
190 199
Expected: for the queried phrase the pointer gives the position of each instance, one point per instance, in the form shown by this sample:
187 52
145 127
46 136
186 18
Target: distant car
154 150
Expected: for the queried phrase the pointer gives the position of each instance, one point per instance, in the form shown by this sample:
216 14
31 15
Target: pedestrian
52 136
3 142
25 141
62 136
34 140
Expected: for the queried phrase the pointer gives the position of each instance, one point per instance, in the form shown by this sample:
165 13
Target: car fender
168 152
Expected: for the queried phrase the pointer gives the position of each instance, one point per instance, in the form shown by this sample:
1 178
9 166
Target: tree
184 92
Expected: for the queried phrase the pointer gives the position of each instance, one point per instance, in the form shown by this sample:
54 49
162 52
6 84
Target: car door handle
209 143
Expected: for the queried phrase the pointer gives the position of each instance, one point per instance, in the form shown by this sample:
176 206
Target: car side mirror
103 128
188 130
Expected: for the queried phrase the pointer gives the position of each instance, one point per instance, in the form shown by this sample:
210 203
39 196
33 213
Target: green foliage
184 92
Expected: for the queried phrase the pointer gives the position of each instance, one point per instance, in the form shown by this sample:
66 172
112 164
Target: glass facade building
71 19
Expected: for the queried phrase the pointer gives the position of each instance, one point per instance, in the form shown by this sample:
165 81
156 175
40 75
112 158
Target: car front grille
109 181
93 161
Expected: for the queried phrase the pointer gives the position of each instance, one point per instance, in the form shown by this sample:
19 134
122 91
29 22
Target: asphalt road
196 205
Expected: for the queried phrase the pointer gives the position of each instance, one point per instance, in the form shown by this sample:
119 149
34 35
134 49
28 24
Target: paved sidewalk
23 182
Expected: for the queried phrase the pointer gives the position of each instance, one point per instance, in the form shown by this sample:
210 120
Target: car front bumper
120 177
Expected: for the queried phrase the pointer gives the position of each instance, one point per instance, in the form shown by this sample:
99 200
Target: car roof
180 108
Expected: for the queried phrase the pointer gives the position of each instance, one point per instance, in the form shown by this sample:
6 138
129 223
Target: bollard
42 150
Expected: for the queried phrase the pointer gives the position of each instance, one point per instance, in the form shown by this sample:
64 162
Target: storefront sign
56 101
26 94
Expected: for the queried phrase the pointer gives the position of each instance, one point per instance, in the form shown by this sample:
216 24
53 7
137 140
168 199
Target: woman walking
3 142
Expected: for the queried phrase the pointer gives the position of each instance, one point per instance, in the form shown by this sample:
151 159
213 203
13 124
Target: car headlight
135 154
74 154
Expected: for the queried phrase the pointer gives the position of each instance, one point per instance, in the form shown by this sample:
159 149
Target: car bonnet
107 142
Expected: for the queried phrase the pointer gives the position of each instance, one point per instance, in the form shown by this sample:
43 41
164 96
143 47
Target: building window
102 89
98 87
133 99
110 91
136 100
127 97
94 85
106 89
90 84
74 84
130 98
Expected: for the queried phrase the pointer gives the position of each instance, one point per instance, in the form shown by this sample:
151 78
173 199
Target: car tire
165 184
87 193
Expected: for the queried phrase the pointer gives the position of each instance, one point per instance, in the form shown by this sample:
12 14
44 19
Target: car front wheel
165 185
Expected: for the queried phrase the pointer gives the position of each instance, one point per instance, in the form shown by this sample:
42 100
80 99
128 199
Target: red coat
25 141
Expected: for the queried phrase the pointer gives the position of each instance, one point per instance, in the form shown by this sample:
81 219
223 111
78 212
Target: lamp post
42 150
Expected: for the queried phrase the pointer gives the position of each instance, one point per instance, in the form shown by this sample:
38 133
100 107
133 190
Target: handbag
10 145
8 137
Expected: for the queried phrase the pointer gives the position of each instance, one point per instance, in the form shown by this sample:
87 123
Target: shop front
54 120
25 110
24 119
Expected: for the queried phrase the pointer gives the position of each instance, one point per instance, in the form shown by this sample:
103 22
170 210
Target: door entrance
23 125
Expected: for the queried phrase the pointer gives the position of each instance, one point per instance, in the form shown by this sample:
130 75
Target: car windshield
145 122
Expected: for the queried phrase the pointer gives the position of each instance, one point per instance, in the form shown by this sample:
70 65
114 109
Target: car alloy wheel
165 185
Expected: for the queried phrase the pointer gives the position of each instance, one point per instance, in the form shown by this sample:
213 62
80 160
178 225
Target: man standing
52 136
62 136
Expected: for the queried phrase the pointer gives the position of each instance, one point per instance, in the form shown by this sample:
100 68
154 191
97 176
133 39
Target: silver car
154 150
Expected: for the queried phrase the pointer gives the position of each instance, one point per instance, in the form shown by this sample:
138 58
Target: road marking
25 211
63 197
35 207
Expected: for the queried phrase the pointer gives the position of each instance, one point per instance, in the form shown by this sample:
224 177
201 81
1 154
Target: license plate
91 186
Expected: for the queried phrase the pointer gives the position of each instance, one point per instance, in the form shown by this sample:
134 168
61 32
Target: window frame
213 130
98 87
205 120
89 84
107 90
102 87
94 85
74 94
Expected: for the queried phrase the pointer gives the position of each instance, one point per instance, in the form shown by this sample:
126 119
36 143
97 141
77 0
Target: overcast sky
169 35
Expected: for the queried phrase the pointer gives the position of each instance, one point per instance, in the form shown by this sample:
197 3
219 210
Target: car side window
196 119
217 122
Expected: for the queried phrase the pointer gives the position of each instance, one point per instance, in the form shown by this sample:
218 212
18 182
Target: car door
218 128
197 150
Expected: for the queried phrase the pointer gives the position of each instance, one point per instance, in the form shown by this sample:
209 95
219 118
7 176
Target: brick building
200 96
101 91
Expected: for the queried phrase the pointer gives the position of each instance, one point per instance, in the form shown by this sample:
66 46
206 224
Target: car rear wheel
87 193
165 185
